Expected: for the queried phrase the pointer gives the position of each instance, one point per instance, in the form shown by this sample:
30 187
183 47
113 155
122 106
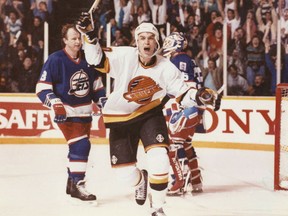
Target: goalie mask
147 27
175 42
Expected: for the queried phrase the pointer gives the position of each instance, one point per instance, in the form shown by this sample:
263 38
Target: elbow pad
93 53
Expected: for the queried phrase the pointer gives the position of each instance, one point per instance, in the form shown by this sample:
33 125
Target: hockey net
281 138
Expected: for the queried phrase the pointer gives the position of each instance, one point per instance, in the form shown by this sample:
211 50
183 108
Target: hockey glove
59 110
85 26
185 118
101 103
207 97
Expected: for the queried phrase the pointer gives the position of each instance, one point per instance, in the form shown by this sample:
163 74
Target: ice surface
236 182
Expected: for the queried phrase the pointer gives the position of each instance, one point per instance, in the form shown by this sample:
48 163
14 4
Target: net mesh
283 159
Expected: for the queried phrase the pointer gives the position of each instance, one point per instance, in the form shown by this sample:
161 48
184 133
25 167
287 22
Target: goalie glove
208 98
185 118
85 26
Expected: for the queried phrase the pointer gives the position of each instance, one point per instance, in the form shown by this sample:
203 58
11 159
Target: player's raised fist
85 26
84 23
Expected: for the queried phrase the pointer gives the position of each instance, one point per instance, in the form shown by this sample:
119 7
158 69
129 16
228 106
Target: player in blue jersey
68 86
182 152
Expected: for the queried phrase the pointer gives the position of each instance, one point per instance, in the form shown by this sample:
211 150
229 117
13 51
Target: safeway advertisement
26 116
239 120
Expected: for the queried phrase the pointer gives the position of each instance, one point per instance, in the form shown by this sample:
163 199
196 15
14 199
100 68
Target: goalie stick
221 89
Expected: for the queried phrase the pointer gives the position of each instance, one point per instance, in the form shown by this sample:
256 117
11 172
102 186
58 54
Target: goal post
281 138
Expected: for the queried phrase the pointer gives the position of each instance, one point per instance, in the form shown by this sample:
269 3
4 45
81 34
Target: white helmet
147 27
175 42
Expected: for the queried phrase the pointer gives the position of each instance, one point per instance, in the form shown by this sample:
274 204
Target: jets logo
141 90
79 84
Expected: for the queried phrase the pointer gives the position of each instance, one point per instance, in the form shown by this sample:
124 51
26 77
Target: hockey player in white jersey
133 111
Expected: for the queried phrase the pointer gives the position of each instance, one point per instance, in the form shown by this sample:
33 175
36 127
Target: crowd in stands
251 38
22 43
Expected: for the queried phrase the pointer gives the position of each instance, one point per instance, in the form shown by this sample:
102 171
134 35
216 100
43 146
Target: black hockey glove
85 26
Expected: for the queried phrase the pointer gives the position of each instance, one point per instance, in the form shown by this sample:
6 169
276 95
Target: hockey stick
92 9
94 6
221 89
85 114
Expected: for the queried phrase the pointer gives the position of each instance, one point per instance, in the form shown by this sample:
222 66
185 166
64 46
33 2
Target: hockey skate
158 212
196 182
68 186
79 191
141 189
155 211
177 189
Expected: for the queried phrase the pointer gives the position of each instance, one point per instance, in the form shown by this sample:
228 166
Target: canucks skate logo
79 84
141 90
160 138
114 159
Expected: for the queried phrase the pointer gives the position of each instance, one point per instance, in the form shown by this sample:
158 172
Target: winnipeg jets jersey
190 71
74 82
138 88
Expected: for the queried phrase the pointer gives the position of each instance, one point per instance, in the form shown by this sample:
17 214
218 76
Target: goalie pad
183 119
177 174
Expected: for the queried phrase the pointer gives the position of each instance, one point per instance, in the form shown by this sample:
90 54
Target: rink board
241 123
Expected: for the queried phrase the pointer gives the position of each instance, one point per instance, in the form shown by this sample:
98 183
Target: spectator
189 22
267 18
5 8
123 16
40 9
159 12
36 33
255 59
194 39
141 13
236 59
14 26
214 43
231 16
271 63
212 75
260 87
284 24
250 26
209 6
175 14
102 32
195 6
28 76
120 39
237 85
3 83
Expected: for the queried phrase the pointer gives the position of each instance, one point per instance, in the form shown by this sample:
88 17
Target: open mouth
146 49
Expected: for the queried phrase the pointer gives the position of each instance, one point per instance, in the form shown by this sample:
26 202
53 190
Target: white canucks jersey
138 88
